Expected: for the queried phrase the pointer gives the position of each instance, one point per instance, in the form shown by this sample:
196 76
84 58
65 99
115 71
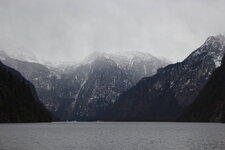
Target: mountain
18 99
163 96
209 106
86 90
107 77
36 73
53 88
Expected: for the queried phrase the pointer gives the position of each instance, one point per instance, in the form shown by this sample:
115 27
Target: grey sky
67 30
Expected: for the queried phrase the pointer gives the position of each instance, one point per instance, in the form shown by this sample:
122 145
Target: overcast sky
67 30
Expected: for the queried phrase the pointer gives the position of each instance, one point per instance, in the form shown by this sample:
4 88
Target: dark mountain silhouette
209 106
18 99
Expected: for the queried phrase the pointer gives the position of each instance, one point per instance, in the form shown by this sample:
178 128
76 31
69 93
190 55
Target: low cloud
71 29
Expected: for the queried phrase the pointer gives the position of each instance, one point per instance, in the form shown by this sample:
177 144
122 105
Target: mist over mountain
71 30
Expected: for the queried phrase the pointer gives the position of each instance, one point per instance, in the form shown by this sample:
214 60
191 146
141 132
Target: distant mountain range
18 99
86 90
131 86
163 96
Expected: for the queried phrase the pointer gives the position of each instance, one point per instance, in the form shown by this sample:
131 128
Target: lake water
112 136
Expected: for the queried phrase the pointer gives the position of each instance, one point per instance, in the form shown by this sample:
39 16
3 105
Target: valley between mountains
128 86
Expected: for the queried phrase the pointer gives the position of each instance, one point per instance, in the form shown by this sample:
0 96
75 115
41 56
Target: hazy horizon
69 30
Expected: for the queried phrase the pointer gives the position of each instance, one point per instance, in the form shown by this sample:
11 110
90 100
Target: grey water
112 136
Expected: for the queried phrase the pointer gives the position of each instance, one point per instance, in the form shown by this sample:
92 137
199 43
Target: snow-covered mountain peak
215 40
92 57
122 59
213 47
130 55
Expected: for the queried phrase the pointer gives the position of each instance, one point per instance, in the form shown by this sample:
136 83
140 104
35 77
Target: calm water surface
112 136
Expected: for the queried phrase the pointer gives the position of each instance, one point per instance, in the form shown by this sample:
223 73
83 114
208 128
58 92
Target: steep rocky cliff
163 96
